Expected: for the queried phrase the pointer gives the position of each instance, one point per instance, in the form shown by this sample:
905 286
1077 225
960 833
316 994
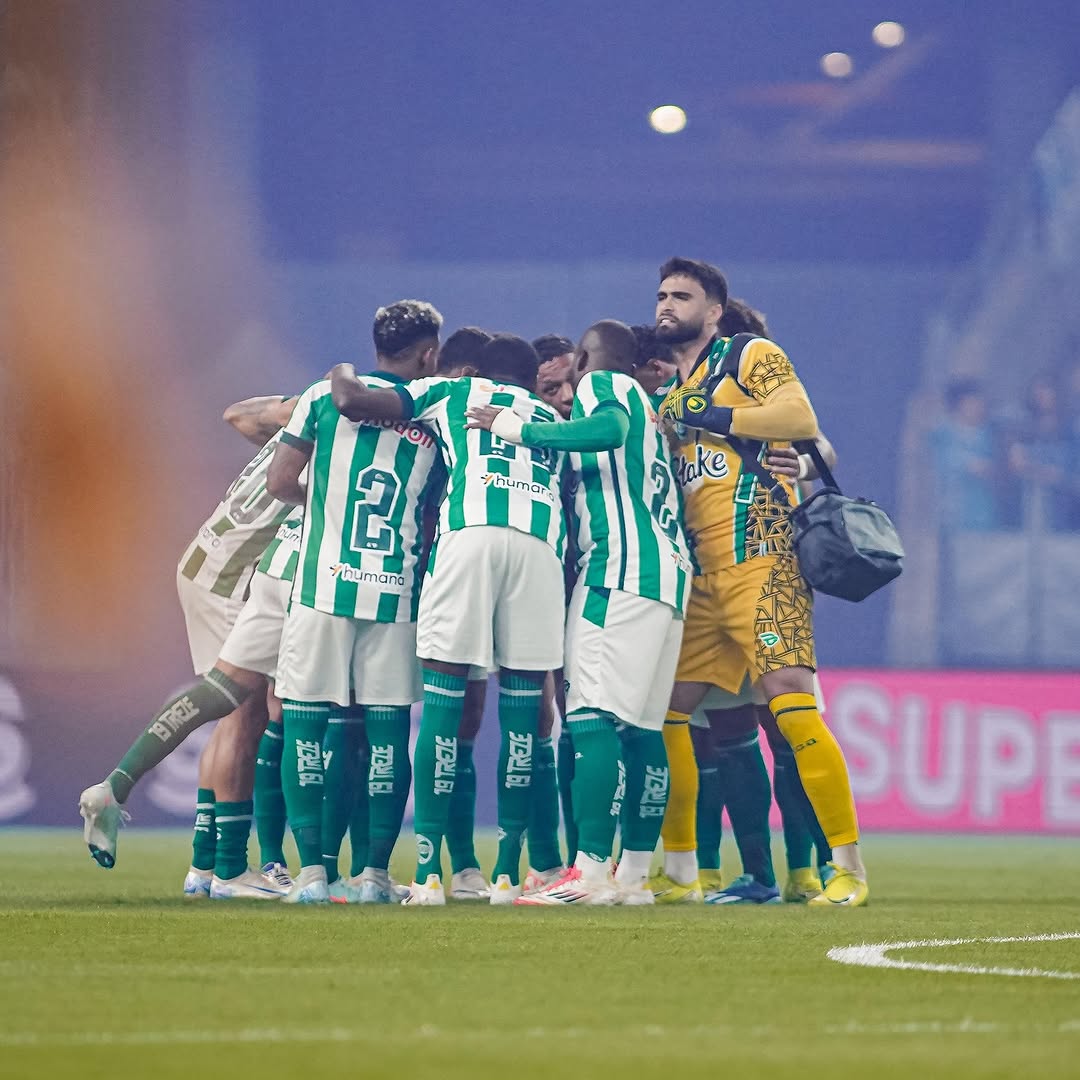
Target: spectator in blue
1040 456
965 461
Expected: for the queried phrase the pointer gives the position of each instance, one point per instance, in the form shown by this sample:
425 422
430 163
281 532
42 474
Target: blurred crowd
1005 465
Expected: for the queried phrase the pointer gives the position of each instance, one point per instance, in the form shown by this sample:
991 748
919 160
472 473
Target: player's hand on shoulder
499 421
481 416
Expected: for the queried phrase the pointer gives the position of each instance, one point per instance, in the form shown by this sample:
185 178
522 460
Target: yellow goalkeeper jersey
729 516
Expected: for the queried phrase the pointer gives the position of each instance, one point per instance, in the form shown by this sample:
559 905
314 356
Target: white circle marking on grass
876 956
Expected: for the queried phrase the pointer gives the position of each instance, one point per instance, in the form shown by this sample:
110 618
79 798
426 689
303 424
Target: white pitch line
43 1040
876 956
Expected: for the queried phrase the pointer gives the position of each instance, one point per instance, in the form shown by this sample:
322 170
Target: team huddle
606 529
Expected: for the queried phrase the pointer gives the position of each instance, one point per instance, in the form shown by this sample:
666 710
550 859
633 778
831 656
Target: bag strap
743 447
809 446
729 365
747 449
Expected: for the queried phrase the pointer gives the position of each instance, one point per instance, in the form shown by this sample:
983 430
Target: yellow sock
821 765
680 820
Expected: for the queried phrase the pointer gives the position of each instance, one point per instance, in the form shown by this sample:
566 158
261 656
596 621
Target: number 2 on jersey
663 513
368 535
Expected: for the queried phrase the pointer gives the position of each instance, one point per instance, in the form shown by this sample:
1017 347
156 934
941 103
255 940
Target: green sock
743 781
389 779
543 830
647 784
434 766
204 838
710 805
233 825
210 698
360 820
564 767
302 774
461 823
798 842
341 780
269 801
519 717
599 781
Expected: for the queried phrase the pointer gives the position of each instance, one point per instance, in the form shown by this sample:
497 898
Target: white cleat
572 888
430 894
102 818
469 884
197 884
635 895
250 885
378 887
502 892
308 887
278 874
535 880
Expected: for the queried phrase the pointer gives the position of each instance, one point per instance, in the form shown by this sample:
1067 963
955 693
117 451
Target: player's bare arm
259 419
283 476
355 401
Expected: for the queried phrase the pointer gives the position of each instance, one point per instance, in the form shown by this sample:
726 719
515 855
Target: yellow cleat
844 889
710 881
667 891
802 886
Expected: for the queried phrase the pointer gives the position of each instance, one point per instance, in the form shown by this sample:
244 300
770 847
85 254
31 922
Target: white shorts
209 619
493 597
748 694
347 661
621 655
255 638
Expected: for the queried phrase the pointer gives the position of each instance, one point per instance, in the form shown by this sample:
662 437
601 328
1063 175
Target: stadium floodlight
837 65
668 119
889 34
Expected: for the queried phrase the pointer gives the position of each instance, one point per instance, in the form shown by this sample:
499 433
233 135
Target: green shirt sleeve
605 429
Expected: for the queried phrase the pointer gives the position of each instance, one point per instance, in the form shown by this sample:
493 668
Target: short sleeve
300 430
421 396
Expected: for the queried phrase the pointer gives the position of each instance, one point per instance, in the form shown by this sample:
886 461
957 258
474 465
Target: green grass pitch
111 974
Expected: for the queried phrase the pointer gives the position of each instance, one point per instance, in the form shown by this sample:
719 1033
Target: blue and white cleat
745 890
378 887
197 884
277 873
250 885
102 818
309 887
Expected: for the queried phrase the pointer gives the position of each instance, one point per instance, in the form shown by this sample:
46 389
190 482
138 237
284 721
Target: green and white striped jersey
224 554
368 483
491 482
626 504
283 552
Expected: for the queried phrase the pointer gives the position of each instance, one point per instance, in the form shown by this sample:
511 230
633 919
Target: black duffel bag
846 547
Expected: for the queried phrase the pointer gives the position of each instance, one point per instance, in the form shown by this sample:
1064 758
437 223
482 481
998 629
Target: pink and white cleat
535 880
573 888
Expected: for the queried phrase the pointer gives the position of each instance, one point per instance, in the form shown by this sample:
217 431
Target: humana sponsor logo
365 577
510 484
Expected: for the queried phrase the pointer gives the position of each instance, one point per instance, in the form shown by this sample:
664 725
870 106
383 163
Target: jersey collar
389 376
